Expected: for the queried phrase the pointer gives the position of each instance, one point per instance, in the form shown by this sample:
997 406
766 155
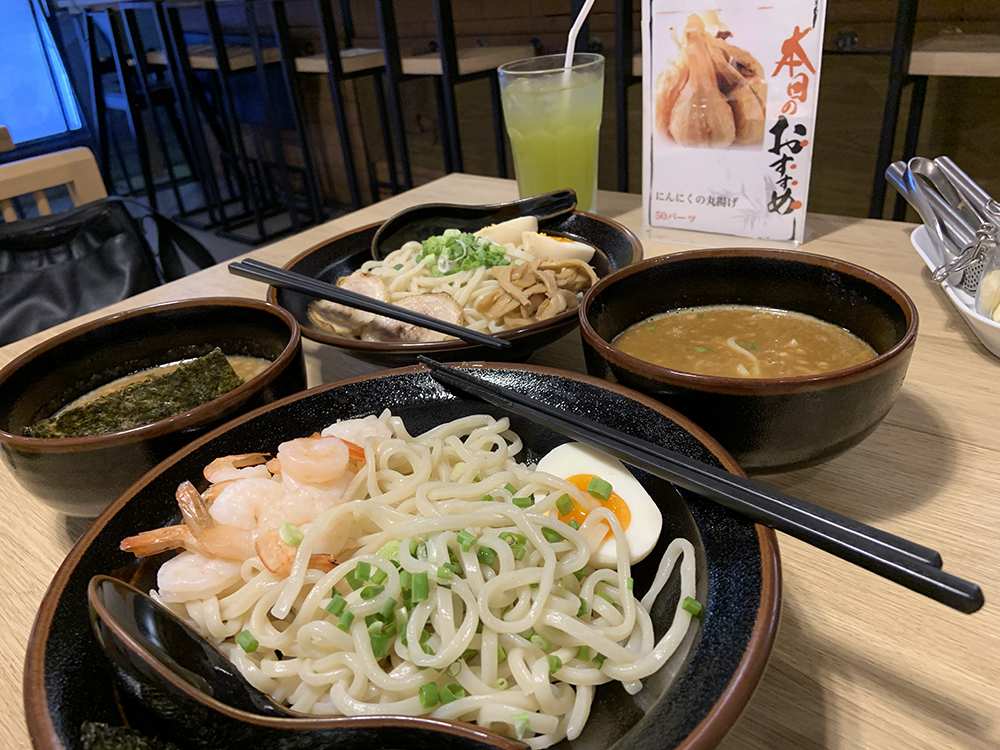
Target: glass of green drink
553 116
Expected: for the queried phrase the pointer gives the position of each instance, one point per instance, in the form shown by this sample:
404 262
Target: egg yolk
559 239
615 503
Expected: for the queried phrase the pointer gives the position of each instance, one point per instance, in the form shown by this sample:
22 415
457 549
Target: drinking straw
575 31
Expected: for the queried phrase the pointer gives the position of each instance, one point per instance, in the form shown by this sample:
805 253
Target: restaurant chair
628 72
76 168
448 67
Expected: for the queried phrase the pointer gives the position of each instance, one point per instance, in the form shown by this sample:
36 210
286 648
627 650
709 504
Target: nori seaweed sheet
97 736
158 397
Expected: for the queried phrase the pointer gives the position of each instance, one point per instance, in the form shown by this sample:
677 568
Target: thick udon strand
514 638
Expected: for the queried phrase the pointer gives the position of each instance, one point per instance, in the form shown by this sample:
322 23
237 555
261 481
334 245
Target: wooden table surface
858 662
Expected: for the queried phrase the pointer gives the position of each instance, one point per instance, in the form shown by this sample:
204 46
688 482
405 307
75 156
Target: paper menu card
729 111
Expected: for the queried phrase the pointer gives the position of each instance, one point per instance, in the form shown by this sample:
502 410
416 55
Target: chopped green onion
469 653
450 693
413 547
370 592
501 684
522 724
290 534
444 571
390 550
533 585
552 535
336 605
518 553
543 644
379 576
486 499
428 694
629 583
692 605
387 609
454 669
353 581
420 590
425 636
514 540
605 596
405 580
584 607
344 623
523 502
465 539
599 488
479 628
427 650
564 505
457 469
573 524
527 634
510 488
486 555
555 663
599 660
580 574
501 654
247 642
400 265
375 627
701 349
400 621
363 571
583 653
390 630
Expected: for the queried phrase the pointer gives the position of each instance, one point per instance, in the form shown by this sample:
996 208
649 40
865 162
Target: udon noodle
513 630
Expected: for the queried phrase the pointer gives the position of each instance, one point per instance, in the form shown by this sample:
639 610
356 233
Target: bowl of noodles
520 279
437 587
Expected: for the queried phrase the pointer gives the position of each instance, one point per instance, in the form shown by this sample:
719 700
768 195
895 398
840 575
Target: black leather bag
54 268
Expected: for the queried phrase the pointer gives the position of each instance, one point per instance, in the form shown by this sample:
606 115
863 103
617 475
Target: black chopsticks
280 277
894 558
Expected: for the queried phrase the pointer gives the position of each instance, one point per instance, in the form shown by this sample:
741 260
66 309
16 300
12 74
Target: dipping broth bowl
768 424
80 476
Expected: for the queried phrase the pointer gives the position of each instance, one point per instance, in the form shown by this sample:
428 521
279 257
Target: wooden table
858 662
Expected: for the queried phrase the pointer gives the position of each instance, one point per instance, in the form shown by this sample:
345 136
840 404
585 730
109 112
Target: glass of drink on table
553 115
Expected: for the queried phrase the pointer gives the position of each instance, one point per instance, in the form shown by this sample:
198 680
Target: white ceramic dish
986 330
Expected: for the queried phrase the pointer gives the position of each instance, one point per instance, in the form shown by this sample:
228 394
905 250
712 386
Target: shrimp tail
355 451
194 509
154 541
278 556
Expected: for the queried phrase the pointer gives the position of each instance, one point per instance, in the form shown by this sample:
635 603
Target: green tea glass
553 116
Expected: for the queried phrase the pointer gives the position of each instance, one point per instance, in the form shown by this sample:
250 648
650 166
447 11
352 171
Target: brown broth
244 366
741 341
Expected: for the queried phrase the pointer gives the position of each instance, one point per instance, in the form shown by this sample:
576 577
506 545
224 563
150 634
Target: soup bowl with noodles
787 358
442 587
520 279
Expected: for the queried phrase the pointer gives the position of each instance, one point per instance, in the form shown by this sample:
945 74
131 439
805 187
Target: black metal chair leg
449 78
393 75
499 131
383 119
624 50
917 95
99 111
443 129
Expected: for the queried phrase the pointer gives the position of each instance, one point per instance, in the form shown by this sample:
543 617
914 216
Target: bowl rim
427 347
752 386
705 735
178 422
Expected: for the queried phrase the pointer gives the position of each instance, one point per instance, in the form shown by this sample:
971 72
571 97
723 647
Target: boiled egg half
550 247
509 232
638 515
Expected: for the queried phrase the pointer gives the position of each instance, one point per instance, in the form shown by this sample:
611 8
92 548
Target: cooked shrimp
194 576
278 556
315 461
239 466
358 431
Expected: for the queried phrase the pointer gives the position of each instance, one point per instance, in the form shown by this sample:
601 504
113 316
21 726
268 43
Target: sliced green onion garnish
469 653
599 488
701 349
523 502
386 613
543 644
501 684
465 539
405 580
692 605
522 724
454 669
501 654
420 589
401 618
629 583
486 499
605 596
457 469
444 572
584 608
573 524
247 642
379 576
363 571
486 555
564 505
413 547
390 550
353 581
514 540
555 663
583 653
552 535
375 628
580 574
527 634
336 605
599 660
450 693
510 488
518 553
428 694
290 534
370 592
344 623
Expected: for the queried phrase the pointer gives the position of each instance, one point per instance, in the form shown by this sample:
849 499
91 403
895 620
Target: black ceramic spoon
430 219
135 631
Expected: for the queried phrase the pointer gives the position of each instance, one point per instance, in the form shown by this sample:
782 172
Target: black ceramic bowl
690 703
80 476
343 255
768 424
